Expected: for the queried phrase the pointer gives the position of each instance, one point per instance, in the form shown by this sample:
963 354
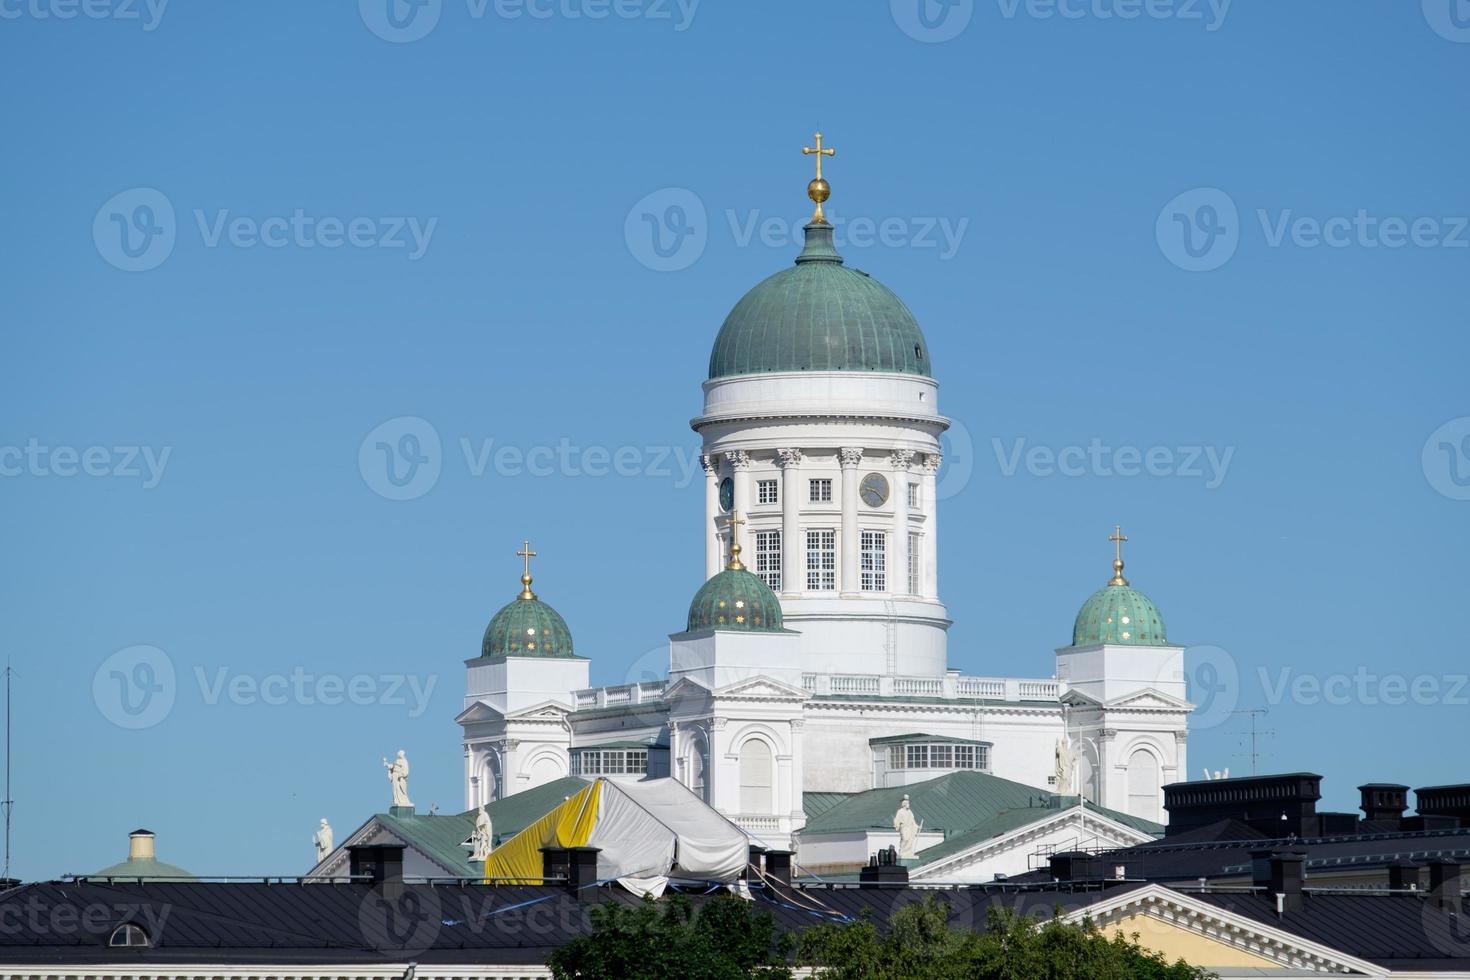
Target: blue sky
368 227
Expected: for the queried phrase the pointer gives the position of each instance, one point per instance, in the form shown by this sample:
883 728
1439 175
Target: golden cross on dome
735 522
1118 537
527 554
819 190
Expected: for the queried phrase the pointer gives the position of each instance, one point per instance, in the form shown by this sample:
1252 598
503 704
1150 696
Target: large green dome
819 316
736 599
527 627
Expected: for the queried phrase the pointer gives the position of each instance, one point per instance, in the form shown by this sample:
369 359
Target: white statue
481 838
323 841
398 776
908 829
1066 760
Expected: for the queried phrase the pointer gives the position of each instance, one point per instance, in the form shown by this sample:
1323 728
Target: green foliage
727 939
921 945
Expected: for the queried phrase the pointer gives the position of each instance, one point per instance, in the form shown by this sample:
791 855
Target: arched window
755 778
697 753
1143 785
128 934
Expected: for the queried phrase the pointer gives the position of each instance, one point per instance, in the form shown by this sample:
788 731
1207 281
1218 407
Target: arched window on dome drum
755 778
1143 785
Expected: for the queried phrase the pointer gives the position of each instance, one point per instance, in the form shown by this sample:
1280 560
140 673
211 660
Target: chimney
1403 876
140 845
753 863
883 871
381 863
778 866
1384 801
1071 866
1280 874
576 867
1444 884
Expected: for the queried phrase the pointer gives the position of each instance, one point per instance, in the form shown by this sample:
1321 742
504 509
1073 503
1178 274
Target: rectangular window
918 756
941 756
766 492
821 491
875 561
609 762
916 563
913 496
821 560
964 757
895 757
768 558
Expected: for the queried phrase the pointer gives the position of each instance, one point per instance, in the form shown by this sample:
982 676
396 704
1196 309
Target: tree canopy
728 938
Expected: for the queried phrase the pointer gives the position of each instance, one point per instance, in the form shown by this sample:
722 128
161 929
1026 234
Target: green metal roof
441 835
815 804
954 803
527 627
819 316
968 807
1119 614
147 868
918 737
736 599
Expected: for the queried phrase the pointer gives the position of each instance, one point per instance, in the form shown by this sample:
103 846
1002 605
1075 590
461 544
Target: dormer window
129 934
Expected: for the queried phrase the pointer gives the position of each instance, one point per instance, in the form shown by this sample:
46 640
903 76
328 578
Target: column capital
932 461
1181 735
739 459
901 459
710 464
851 457
789 457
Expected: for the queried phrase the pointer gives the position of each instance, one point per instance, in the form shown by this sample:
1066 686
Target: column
851 460
931 526
898 555
739 462
793 548
712 549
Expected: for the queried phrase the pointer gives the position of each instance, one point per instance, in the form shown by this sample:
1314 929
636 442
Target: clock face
727 494
874 490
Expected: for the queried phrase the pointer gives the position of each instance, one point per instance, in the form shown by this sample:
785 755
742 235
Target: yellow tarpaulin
519 861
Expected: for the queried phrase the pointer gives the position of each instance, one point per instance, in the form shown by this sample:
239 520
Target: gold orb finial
527 554
819 190
1117 537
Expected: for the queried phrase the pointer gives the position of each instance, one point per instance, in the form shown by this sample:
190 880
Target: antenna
1255 733
7 804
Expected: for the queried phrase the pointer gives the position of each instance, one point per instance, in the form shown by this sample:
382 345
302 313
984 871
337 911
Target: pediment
685 688
1150 698
762 687
477 712
551 710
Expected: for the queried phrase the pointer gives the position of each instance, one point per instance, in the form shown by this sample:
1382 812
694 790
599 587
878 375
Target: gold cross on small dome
527 554
1117 537
735 522
819 190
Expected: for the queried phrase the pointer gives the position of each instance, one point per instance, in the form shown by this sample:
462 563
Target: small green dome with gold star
736 599
527 627
1118 613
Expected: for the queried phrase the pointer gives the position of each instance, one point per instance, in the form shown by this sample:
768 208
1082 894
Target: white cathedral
813 666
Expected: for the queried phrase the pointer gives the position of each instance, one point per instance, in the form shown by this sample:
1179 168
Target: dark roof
1223 850
257 923
1391 930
